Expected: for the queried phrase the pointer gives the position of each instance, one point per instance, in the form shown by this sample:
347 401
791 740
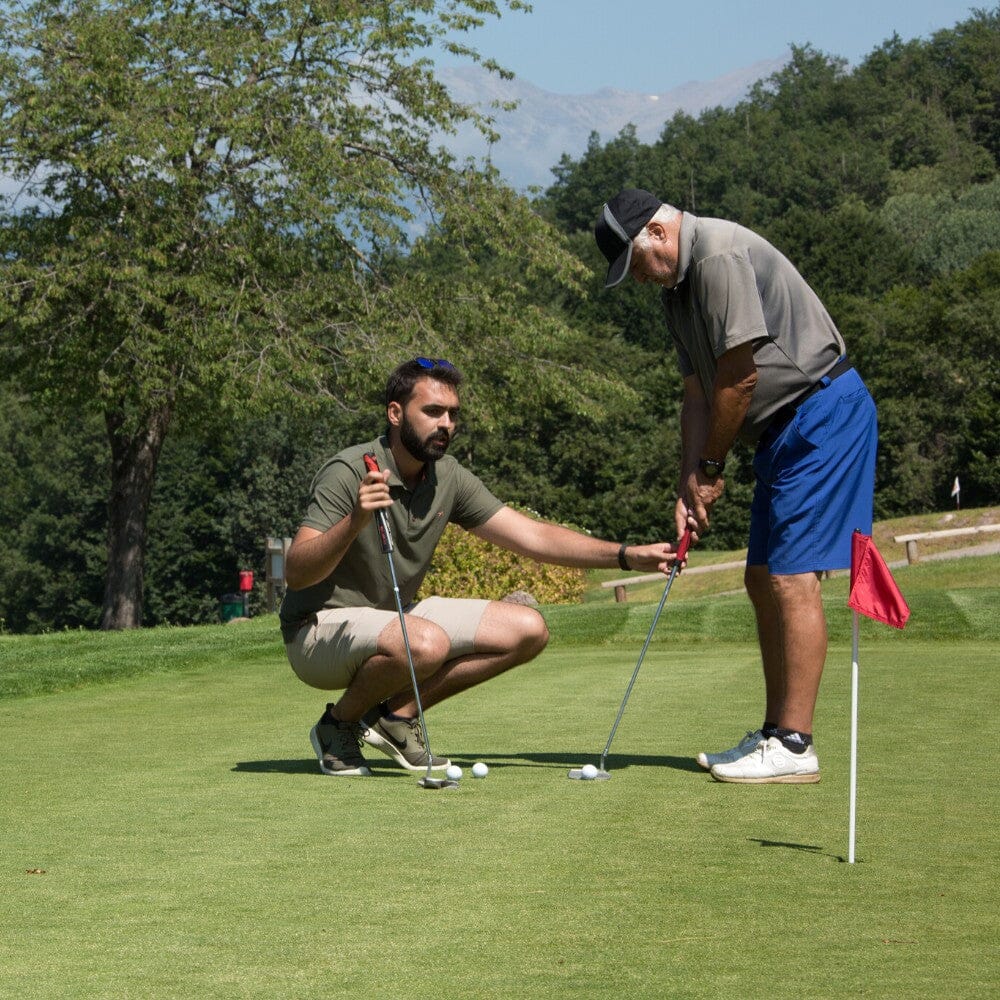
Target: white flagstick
854 742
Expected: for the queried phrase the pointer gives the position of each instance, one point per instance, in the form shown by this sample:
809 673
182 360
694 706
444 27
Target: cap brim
618 271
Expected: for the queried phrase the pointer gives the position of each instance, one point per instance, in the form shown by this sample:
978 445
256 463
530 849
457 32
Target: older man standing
762 363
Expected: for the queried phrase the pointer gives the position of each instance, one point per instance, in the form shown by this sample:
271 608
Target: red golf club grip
685 544
381 519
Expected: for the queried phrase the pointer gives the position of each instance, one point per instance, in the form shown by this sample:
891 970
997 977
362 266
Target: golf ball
479 770
454 772
589 772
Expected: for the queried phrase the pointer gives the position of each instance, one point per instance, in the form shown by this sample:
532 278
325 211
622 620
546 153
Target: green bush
466 566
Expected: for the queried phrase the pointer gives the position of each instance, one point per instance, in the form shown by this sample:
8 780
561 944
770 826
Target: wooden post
275 555
911 551
619 594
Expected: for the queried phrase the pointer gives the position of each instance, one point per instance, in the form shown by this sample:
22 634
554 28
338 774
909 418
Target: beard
430 449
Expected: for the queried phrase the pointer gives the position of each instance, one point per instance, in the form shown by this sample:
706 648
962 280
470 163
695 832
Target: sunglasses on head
433 363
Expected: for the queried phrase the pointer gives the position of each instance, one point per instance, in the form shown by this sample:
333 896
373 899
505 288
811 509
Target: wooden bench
628 581
910 541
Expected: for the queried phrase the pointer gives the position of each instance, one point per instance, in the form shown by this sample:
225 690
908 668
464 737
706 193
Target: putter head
427 782
578 775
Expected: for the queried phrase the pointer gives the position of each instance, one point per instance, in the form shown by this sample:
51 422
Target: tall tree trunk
134 456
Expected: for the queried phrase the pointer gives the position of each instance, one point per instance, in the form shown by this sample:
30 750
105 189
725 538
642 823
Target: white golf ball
454 772
588 772
479 770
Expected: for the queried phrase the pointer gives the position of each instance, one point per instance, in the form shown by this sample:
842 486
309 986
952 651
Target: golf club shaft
385 540
682 548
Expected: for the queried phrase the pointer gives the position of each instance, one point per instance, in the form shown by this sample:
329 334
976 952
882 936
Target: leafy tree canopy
209 193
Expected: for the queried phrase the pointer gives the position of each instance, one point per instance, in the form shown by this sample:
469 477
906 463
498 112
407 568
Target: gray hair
665 214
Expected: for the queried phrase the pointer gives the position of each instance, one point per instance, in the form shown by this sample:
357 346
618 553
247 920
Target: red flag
873 590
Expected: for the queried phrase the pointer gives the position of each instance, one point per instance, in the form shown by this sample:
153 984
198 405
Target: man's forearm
314 555
729 410
548 543
735 381
694 431
552 543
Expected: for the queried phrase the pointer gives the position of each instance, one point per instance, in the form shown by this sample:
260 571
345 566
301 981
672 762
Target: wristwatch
711 467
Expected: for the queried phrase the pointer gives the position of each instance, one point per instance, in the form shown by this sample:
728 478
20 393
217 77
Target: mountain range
545 125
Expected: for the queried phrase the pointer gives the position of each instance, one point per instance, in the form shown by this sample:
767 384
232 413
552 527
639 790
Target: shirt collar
685 243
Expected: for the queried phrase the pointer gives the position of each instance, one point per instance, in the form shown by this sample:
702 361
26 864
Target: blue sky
652 46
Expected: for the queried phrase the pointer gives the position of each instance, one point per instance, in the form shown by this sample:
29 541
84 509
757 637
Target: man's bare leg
803 643
387 672
508 635
758 584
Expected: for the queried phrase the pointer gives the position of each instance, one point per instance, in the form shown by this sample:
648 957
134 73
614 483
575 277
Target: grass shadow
297 766
551 760
789 846
785 844
615 762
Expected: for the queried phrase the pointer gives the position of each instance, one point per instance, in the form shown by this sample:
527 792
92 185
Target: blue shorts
815 482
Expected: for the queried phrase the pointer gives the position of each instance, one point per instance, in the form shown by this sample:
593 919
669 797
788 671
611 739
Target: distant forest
880 183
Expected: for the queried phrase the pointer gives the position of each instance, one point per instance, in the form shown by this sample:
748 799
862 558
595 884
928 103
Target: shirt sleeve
730 303
474 503
683 358
334 492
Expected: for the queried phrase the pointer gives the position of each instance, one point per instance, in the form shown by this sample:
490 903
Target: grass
167 834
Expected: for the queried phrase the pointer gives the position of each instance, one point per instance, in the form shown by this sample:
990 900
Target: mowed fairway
169 835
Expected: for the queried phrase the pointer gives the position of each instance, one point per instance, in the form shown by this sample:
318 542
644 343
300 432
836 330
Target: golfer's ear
394 412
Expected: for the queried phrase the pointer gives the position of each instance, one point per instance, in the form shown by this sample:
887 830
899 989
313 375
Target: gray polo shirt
417 519
734 287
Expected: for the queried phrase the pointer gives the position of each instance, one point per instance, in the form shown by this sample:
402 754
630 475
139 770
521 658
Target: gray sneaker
745 745
403 741
338 748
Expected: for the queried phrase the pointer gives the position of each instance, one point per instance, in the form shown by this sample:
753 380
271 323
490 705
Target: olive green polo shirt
417 519
733 288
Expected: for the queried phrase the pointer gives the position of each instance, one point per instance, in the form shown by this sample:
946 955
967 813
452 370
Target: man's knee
529 634
757 581
536 632
514 629
796 589
429 644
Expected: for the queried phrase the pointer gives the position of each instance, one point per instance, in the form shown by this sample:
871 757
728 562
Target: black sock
327 718
769 729
792 740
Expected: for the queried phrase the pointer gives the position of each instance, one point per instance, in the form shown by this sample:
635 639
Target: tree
874 183
209 189
51 518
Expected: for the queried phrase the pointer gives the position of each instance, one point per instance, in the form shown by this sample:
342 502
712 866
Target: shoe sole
774 779
351 772
373 739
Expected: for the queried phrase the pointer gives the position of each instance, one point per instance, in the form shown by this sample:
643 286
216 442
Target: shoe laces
418 732
352 733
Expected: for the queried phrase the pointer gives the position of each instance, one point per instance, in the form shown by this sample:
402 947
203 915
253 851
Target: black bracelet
621 559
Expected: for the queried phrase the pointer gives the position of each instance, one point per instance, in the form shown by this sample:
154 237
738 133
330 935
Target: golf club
385 540
600 773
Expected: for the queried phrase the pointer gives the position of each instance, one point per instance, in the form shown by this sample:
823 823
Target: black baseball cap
620 221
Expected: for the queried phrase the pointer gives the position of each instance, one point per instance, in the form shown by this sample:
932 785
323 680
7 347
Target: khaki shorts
327 651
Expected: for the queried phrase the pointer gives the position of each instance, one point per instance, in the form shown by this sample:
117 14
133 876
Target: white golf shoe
745 745
770 762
